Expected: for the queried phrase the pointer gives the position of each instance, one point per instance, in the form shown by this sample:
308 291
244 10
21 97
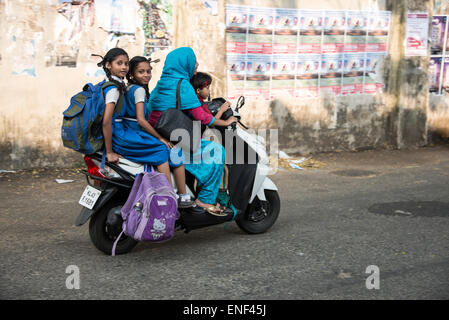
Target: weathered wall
31 107
395 117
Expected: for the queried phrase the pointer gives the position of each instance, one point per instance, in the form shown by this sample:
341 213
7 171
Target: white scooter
254 196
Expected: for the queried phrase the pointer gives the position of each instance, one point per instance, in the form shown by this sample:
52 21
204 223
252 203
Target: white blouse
113 94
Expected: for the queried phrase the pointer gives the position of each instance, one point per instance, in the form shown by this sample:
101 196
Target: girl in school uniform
125 133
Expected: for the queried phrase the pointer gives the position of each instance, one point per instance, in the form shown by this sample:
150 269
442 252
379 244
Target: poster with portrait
334 31
445 70
236 29
373 72
437 34
258 74
260 31
378 31
331 73
286 28
434 74
307 75
283 75
353 73
311 28
357 24
236 67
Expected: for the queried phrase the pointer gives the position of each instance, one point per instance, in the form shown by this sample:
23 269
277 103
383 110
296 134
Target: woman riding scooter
181 63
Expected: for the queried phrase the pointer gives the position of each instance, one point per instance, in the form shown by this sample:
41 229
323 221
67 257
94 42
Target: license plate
89 197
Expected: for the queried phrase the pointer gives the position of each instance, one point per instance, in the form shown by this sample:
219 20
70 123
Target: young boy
201 83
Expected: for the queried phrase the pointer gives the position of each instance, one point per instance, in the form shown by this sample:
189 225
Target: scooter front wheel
104 235
261 215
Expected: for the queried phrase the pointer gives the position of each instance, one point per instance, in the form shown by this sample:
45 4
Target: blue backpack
82 124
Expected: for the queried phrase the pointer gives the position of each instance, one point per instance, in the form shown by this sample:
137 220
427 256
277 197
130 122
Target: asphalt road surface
385 211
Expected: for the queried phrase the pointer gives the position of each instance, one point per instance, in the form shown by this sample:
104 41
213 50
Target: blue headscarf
179 64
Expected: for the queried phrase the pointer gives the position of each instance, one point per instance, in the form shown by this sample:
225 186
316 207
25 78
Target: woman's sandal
217 210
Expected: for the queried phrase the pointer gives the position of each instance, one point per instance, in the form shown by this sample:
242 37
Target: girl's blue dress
132 142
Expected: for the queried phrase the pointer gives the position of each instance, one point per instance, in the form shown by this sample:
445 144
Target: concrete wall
34 35
31 106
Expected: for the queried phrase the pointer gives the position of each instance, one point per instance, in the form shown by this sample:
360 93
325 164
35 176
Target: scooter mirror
240 103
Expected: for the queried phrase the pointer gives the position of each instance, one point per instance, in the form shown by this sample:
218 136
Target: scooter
254 196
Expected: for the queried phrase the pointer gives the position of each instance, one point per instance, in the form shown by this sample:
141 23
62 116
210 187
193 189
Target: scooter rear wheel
103 236
261 215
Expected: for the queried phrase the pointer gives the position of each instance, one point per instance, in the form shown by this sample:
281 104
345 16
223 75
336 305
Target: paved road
384 208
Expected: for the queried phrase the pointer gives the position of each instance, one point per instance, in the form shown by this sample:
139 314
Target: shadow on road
412 208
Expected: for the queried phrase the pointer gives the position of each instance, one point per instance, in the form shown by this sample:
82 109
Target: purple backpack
151 210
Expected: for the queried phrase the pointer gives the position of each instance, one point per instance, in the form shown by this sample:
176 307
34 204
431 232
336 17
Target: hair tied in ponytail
153 61
99 64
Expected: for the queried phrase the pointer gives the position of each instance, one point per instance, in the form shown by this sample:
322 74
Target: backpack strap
115 243
120 101
178 96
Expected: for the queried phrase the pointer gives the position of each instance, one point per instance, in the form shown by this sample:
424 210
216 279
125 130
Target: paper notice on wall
357 24
373 72
236 29
236 65
307 75
258 72
353 70
437 35
24 59
378 31
445 80
286 31
416 35
434 74
117 15
260 31
283 75
212 6
334 31
331 73
311 28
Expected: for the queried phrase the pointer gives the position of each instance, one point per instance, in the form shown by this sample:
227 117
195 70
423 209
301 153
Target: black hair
200 80
133 63
109 57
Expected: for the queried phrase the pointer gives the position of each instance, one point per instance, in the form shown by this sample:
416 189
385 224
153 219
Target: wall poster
331 73
353 73
416 36
334 31
307 76
274 52
258 72
286 28
283 75
439 59
357 23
